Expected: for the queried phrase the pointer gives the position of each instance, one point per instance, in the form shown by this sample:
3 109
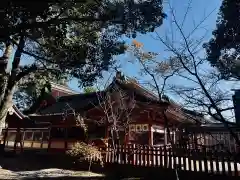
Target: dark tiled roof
192 113
78 102
140 93
88 100
81 102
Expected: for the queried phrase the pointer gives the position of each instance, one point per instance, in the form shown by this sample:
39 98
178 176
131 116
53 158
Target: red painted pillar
150 135
126 138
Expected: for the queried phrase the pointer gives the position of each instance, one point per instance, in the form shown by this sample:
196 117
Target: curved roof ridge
65 98
62 87
14 109
128 79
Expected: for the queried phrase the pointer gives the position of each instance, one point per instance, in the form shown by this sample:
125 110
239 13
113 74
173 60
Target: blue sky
198 10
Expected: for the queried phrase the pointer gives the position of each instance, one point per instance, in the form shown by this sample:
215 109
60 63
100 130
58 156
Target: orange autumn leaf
137 44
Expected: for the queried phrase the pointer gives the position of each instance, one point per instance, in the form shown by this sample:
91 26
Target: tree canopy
30 87
77 38
89 89
223 49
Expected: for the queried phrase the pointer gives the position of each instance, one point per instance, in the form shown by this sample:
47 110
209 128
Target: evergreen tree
29 88
89 89
223 50
74 37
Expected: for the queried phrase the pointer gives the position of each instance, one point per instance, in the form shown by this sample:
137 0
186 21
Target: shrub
81 150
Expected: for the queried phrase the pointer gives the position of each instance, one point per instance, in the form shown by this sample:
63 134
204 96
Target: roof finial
119 76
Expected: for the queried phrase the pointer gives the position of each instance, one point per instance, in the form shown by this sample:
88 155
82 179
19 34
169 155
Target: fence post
211 161
200 160
111 154
165 157
154 156
106 154
170 158
161 158
187 155
235 167
124 154
128 152
148 155
144 156
116 154
134 154
229 165
49 139
217 161
205 160
42 141
196 159
23 138
121 154
157 151
223 164
174 156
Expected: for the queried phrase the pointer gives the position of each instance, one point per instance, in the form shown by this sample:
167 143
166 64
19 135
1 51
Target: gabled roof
62 88
78 102
86 101
47 97
14 110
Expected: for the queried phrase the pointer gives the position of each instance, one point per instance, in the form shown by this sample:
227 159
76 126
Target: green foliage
30 88
89 89
86 151
76 37
223 49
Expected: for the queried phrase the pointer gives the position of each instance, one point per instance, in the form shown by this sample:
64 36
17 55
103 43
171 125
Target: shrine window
97 132
158 138
57 133
75 133
28 136
11 136
45 136
37 136
139 137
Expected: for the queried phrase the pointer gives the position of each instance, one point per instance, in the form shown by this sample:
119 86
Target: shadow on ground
63 165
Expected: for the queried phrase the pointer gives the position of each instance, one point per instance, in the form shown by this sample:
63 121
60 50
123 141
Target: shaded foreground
35 166
49 174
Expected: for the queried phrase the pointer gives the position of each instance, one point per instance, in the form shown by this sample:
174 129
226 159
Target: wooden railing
167 157
34 138
200 159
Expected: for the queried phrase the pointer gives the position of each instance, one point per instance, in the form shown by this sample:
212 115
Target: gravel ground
46 173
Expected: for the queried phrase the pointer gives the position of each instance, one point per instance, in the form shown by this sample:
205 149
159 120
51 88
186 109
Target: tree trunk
4 79
5 59
6 102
